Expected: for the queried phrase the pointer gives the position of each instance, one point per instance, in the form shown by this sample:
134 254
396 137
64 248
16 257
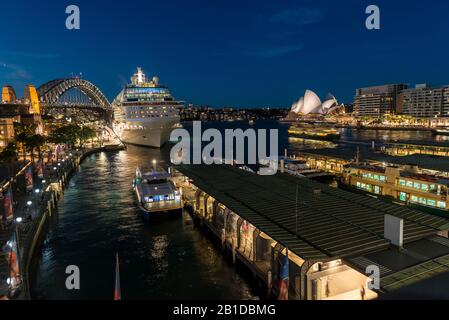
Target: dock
331 235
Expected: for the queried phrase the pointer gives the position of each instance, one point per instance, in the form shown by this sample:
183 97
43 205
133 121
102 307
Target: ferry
314 133
441 132
300 168
404 185
156 191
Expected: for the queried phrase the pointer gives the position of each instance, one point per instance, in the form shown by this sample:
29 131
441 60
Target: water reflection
167 259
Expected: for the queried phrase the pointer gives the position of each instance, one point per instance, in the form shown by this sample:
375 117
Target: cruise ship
145 112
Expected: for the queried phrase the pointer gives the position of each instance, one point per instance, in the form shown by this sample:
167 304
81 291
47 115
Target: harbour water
166 259
169 259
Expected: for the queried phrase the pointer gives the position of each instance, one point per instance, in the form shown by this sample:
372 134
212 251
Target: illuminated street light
19 219
29 203
37 190
44 181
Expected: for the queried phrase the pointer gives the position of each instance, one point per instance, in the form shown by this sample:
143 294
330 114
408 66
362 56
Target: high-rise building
377 101
424 102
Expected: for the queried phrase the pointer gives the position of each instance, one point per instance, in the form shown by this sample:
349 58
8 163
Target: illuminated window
441 205
431 203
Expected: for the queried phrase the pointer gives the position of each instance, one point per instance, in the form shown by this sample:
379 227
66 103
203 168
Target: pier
330 236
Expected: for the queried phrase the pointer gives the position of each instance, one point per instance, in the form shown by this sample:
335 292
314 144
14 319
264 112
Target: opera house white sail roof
311 104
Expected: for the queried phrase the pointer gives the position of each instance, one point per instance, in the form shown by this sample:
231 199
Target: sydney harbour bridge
74 98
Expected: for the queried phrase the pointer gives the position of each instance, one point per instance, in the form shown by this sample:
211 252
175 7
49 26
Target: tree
8 156
23 132
67 135
85 134
35 142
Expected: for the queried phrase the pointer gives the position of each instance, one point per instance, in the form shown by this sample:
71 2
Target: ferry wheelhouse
405 185
155 191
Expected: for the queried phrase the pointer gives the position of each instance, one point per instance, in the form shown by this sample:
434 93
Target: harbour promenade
31 211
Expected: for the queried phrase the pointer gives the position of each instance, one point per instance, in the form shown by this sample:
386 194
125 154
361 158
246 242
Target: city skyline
246 55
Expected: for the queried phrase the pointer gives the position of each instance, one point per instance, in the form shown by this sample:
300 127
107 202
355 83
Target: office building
377 101
424 101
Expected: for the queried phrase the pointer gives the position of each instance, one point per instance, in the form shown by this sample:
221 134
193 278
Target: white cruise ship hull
154 133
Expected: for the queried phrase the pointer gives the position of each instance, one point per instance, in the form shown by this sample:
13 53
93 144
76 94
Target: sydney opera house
311 106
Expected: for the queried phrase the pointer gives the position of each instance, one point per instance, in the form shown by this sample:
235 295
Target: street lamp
19 219
29 203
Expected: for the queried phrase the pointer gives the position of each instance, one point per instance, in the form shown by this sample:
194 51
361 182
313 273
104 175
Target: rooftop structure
324 224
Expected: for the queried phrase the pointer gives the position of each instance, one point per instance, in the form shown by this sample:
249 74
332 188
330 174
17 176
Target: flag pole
117 291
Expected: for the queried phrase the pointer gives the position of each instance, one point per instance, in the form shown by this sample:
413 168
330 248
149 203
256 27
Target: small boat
156 192
441 132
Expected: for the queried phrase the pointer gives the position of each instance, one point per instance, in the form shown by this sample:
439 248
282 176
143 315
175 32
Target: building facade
6 131
424 102
377 101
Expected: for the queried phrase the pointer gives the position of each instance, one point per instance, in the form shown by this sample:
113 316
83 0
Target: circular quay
214 159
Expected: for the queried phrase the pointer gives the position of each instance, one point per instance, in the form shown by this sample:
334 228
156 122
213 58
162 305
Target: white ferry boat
156 191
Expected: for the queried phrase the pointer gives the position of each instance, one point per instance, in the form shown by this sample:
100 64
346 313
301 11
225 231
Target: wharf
329 235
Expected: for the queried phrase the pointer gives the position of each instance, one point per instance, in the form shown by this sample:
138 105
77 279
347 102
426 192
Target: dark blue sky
234 52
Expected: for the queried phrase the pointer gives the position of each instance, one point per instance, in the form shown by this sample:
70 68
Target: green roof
330 222
417 273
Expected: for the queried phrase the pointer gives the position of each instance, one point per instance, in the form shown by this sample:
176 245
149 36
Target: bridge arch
51 91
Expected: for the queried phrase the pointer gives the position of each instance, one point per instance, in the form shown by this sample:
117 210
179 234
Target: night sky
228 53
